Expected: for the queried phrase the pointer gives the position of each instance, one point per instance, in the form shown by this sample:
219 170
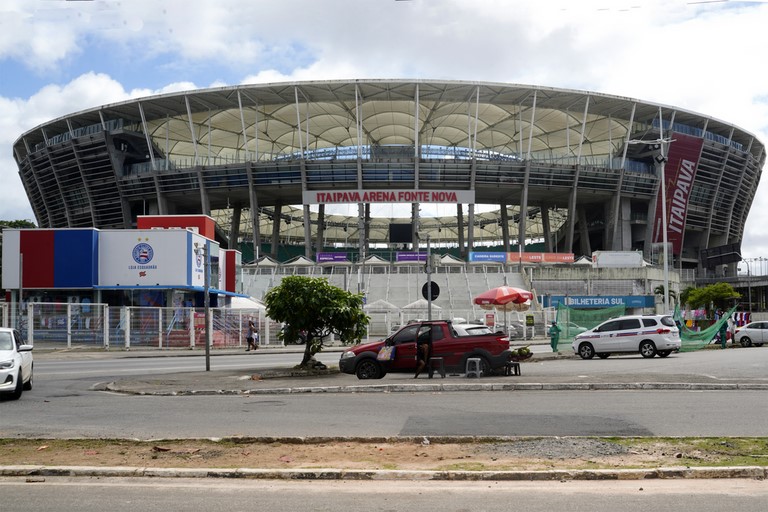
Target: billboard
679 174
518 257
153 258
617 259
331 257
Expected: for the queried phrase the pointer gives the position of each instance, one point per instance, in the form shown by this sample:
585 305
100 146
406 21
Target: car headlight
4 365
347 354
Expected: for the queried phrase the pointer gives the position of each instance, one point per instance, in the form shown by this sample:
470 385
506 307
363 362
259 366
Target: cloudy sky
58 57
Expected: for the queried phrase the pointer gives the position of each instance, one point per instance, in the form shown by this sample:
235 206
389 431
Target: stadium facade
502 164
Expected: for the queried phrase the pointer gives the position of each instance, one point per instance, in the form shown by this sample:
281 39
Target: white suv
648 334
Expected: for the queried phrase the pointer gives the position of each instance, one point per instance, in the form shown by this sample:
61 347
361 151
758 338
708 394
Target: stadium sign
388 196
599 301
525 257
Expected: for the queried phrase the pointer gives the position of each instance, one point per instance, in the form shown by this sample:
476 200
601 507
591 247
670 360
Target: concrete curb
446 388
36 473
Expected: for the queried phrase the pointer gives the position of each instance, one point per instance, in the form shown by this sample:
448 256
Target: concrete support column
548 245
307 233
471 229
504 226
584 245
234 226
415 225
320 232
460 229
205 202
276 229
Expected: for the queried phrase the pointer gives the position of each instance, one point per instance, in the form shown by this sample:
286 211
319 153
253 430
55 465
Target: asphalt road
131 495
63 402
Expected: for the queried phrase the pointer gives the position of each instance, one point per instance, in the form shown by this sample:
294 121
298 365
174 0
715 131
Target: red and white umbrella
503 298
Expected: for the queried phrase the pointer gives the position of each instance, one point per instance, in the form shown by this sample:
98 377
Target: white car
649 335
754 333
16 365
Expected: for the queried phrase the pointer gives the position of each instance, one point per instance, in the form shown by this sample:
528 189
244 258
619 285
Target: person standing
554 335
252 336
423 349
723 333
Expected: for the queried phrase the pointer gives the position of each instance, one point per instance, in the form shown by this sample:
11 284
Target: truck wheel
586 351
369 369
485 365
647 349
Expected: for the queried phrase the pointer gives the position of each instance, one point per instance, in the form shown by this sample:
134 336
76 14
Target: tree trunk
307 351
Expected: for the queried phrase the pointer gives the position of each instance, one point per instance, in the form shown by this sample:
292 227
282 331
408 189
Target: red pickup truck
455 344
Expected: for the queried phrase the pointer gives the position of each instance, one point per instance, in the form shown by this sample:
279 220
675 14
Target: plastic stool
474 367
511 368
436 364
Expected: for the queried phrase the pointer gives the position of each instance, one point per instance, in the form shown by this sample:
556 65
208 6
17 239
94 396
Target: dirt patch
414 454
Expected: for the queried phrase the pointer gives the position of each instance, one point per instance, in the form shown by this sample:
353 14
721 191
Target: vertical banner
679 173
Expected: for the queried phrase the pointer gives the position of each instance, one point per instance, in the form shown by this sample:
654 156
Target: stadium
545 178
570 171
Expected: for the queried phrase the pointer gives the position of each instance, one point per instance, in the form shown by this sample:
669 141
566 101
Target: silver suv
649 335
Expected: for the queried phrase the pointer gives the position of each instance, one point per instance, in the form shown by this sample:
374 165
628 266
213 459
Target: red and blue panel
59 258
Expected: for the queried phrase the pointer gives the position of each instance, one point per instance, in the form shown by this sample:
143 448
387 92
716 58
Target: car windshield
6 341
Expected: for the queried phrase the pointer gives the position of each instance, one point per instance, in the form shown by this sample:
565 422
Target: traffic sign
435 290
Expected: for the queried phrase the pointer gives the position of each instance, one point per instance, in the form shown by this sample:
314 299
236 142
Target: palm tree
659 290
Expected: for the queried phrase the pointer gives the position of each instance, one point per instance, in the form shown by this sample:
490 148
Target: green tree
312 306
719 295
684 295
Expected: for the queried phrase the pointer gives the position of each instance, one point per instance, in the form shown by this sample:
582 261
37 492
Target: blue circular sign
143 253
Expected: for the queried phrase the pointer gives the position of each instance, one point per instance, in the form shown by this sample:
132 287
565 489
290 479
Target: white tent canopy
299 261
246 303
380 305
449 259
264 261
421 304
375 260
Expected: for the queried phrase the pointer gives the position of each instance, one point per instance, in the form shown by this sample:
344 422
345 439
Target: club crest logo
143 253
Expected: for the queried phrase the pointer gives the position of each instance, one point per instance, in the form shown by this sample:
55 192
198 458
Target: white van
649 335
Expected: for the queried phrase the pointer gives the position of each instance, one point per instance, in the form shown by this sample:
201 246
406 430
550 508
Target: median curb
440 388
38 473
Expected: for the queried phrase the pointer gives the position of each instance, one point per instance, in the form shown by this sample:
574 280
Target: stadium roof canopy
263 119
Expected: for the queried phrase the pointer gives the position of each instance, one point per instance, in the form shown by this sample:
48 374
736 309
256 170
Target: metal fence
67 325
100 325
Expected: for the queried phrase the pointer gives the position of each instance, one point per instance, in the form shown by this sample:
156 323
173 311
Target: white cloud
705 57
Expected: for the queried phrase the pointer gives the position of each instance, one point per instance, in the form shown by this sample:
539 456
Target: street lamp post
429 280
749 284
201 252
661 160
